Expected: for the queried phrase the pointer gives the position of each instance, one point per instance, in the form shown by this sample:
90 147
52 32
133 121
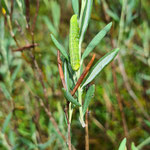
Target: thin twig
69 137
119 100
34 21
83 75
27 3
41 78
86 132
61 70
35 17
27 47
11 9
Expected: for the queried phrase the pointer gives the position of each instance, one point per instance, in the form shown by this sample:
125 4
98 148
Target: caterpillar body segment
74 43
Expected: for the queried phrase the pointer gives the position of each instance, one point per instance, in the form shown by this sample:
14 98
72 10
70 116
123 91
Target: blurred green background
23 123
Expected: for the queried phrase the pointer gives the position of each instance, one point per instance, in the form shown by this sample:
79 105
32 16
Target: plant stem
86 132
119 100
82 10
4 141
68 107
121 24
68 122
80 108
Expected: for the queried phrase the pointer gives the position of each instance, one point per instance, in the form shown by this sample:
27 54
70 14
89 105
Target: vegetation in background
34 113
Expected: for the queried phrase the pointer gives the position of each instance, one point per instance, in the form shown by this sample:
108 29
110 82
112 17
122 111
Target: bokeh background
24 125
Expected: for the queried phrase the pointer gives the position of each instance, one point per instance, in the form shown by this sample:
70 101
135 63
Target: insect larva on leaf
74 43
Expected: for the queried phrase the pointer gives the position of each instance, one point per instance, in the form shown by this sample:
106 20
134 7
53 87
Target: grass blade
96 40
5 91
50 26
14 75
97 68
6 122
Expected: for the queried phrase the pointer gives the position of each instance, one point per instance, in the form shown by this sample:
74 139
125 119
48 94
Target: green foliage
123 144
68 96
24 122
96 69
88 97
95 41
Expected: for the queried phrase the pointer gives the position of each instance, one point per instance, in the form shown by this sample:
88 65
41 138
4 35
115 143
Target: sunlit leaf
97 68
123 144
88 97
96 40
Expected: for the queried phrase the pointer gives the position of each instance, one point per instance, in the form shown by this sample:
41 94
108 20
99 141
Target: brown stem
61 70
35 17
11 9
119 100
65 87
69 137
27 3
83 75
27 47
86 132
41 79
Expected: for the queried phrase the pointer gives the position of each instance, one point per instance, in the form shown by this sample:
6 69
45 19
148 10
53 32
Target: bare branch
83 75
27 47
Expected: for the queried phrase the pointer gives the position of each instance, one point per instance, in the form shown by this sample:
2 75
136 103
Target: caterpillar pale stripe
74 43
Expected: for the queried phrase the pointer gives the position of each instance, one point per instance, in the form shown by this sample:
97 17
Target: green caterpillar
74 43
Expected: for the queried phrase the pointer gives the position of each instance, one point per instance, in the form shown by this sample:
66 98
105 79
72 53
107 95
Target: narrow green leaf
55 8
6 122
75 6
5 91
85 19
21 5
145 142
88 97
97 68
47 144
133 147
67 75
5 6
112 14
12 138
70 98
50 26
96 40
60 47
14 75
147 123
123 144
